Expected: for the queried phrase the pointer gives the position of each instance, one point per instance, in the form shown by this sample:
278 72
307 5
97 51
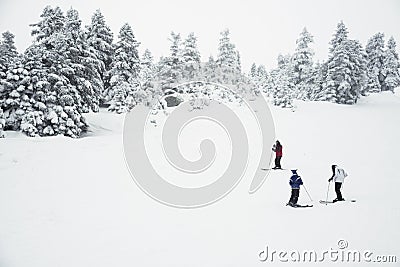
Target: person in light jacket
338 177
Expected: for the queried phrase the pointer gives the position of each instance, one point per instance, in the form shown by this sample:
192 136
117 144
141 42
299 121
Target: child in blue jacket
295 182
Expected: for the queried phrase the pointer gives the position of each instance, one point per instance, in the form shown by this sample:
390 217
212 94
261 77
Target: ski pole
327 193
307 192
270 159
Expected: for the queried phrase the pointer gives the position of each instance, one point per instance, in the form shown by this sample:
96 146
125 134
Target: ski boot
336 200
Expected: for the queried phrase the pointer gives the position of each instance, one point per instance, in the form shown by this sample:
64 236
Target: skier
295 182
277 148
338 177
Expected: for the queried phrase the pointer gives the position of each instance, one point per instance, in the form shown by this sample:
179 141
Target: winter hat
294 171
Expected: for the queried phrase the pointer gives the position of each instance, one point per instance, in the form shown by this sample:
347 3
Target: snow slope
66 202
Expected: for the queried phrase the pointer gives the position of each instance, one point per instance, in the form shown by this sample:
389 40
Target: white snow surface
72 202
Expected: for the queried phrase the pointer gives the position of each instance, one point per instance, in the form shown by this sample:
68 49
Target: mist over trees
71 69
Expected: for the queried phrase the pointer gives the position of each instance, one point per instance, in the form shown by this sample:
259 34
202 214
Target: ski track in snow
71 202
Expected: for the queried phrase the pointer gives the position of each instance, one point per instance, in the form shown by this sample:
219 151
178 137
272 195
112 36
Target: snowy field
72 202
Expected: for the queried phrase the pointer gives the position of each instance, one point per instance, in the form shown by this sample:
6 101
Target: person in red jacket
278 155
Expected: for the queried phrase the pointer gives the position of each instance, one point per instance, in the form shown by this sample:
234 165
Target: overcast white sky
260 29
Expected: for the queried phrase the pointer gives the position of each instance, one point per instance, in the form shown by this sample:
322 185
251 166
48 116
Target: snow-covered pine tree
52 22
253 70
282 91
320 72
353 79
161 68
147 76
18 96
347 72
100 38
390 67
8 59
262 72
171 67
191 57
258 78
227 60
147 71
226 51
375 54
8 52
270 83
124 72
262 76
335 65
34 109
340 35
302 62
53 95
238 62
83 61
209 71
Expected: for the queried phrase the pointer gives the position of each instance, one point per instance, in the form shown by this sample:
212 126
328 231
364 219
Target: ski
303 206
331 202
300 206
267 169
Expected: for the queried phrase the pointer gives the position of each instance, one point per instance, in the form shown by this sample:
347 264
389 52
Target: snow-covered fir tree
54 96
282 89
83 62
258 77
171 66
262 77
39 97
100 38
209 71
320 72
253 70
375 54
191 57
16 96
228 60
390 67
52 21
8 52
302 63
226 51
354 80
35 101
149 89
343 76
8 58
269 87
340 35
346 75
329 90
238 62
262 72
147 71
124 73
